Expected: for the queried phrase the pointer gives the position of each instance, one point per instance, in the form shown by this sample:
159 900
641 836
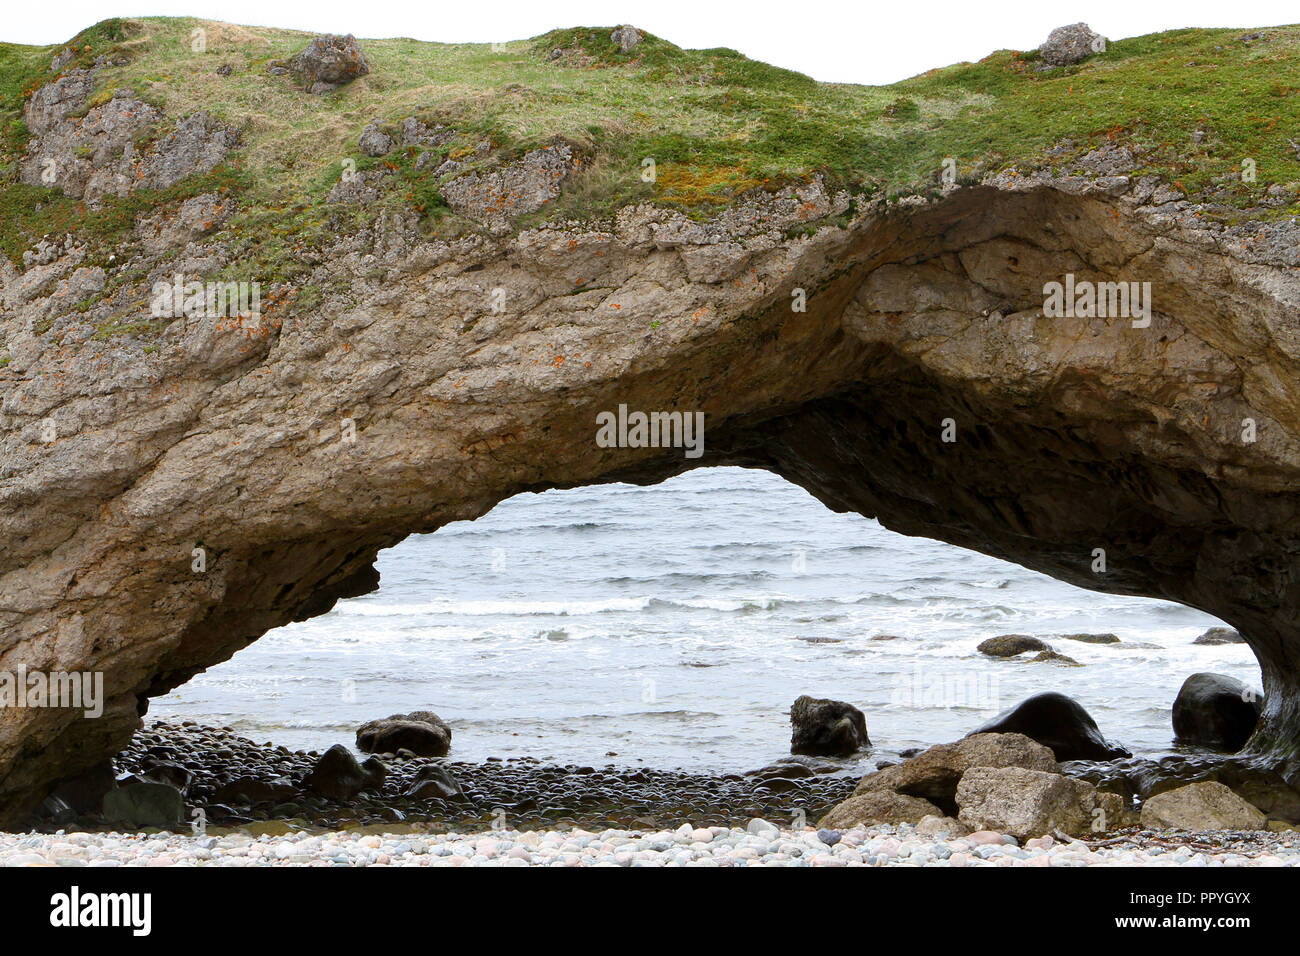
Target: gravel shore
759 844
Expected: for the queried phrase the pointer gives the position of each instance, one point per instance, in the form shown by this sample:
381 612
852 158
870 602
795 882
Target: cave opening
672 625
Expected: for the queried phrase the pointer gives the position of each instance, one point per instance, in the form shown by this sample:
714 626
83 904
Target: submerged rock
1220 635
827 728
1215 710
1009 645
1058 722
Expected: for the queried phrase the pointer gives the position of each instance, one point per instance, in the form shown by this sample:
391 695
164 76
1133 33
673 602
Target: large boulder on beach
328 62
144 804
877 807
422 732
1215 710
1208 805
934 774
1009 645
826 728
1030 803
339 776
1058 722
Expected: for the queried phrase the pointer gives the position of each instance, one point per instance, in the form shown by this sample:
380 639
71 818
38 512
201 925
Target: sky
849 41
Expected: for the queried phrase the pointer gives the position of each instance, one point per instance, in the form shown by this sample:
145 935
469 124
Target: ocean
672 626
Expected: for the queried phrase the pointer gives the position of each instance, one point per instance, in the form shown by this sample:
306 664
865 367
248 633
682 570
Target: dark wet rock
168 772
434 781
144 804
255 790
1091 638
1070 44
1214 710
1220 635
337 774
1009 645
86 791
422 732
827 728
328 62
1058 722
1054 657
935 773
1253 779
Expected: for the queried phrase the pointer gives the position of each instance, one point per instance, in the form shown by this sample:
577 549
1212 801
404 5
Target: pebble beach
760 843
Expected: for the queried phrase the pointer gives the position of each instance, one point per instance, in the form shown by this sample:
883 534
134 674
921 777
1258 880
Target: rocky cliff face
165 499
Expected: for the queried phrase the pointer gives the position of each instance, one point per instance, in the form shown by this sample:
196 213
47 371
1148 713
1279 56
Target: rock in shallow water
1214 710
422 732
1009 645
827 728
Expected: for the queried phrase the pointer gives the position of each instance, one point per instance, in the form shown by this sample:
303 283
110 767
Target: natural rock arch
1071 434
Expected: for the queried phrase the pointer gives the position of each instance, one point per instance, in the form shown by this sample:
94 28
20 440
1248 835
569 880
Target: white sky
857 41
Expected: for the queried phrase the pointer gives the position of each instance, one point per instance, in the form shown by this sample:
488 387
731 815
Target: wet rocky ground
212 767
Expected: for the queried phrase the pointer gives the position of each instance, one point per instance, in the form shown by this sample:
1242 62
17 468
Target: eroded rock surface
412 393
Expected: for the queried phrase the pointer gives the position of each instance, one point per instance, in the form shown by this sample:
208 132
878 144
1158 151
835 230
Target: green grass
715 123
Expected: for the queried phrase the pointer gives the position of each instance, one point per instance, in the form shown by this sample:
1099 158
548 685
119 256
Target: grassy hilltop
1192 103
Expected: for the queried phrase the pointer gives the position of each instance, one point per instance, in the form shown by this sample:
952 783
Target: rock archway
420 394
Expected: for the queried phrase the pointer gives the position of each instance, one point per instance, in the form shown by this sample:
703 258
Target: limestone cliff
440 320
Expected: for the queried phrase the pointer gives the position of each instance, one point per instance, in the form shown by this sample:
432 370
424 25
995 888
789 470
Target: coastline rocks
254 790
434 782
1057 658
934 774
1030 803
422 732
328 62
827 728
337 774
1009 645
1208 805
1058 722
1092 638
1214 710
144 804
1220 635
1071 44
876 807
